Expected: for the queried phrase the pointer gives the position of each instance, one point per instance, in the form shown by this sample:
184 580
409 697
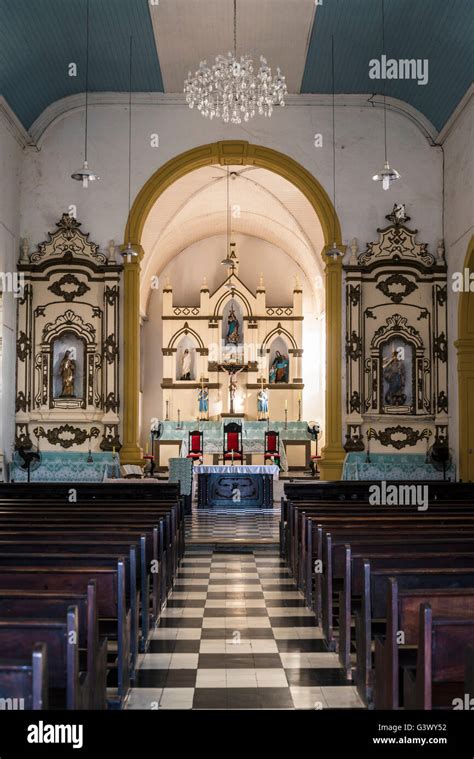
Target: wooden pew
25 604
469 675
404 555
366 529
24 683
111 601
107 627
370 618
439 675
403 614
19 636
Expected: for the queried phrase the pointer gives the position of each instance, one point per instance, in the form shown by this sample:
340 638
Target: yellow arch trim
465 349
241 153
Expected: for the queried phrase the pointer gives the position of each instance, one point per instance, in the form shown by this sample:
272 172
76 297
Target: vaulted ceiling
38 41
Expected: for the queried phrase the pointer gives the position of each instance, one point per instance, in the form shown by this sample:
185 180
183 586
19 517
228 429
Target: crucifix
232 370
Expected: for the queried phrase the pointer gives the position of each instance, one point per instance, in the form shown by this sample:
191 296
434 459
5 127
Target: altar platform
174 441
235 486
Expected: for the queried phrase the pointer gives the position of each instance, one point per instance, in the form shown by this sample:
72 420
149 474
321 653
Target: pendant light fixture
334 251
387 175
85 174
228 261
233 89
129 251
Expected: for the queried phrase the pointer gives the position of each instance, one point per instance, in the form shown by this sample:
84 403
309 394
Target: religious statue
398 214
262 403
233 328
394 376
233 387
186 365
67 369
203 398
279 370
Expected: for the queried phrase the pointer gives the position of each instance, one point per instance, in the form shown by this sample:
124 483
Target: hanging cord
235 28
87 76
130 134
228 212
333 142
383 85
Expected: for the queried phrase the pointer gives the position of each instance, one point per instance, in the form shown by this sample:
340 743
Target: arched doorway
465 349
236 153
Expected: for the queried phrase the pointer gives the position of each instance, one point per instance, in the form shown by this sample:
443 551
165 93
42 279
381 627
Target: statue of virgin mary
233 328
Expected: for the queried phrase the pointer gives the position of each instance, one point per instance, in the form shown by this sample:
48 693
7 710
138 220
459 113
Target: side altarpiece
67 393
396 342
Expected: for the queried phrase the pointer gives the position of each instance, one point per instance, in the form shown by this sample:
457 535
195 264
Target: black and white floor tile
236 635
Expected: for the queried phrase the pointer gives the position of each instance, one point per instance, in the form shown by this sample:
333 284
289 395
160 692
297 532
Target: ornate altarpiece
71 301
396 342
201 329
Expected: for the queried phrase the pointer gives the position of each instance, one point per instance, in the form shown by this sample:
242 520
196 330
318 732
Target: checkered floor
237 635
224 526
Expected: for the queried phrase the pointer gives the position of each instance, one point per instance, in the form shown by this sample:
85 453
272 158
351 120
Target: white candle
286 405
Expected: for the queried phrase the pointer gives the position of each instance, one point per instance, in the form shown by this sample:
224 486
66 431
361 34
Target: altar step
214 529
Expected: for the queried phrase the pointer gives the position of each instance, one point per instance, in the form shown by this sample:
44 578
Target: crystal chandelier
232 90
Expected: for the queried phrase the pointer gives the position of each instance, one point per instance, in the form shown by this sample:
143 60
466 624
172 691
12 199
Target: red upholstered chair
233 449
272 446
195 446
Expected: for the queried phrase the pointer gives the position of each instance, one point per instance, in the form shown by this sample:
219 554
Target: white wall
10 164
459 227
361 204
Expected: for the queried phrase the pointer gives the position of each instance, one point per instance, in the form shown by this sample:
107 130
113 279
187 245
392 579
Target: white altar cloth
238 469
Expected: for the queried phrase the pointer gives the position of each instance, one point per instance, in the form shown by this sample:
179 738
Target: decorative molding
396 243
110 438
389 287
69 320
354 346
69 279
22 437
68 243
440 348
66 435
110 349
398 325
23 346
407 436
20 402
111 403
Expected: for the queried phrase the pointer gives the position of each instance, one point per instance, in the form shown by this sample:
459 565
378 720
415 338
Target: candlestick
299 409
167 415
178 427
286 419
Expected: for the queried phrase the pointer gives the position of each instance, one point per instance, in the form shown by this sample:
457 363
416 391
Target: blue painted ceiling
441 31
39 38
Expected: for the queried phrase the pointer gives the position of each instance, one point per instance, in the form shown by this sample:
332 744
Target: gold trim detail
465 350
242 153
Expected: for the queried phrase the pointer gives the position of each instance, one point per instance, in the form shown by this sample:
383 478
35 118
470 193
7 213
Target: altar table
238 486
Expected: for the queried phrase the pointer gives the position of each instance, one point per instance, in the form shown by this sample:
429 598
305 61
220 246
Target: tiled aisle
236 635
